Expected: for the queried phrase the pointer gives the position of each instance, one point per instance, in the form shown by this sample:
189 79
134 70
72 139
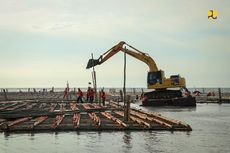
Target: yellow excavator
168 91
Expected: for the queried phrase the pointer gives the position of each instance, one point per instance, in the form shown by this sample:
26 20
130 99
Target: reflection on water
127 140
165 108
6 135
31 136
210 123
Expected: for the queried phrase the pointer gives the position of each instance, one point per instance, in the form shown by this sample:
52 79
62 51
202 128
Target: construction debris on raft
34 115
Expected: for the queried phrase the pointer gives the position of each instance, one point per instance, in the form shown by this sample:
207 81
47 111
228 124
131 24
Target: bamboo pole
127 108
121 96
94 82
100 98
5 95
124 89
220 98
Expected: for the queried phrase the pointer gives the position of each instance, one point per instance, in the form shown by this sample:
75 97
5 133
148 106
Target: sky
44 43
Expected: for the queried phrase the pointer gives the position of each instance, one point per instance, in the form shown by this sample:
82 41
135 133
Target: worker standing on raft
103 97
79 96
65 93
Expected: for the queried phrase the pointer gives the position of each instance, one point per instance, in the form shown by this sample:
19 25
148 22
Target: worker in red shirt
103 96
65 93
187 94
79 96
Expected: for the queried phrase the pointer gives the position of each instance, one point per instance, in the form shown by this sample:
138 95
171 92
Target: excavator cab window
154 77
175 79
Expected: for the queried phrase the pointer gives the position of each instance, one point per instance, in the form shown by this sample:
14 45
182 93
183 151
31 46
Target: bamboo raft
35 115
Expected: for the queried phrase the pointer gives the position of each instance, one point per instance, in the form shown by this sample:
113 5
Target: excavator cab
155 77
175 79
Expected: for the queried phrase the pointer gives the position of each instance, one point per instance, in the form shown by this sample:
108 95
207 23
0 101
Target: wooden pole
5 95
134 91
127 108
220 98
124 89
94 82
121 95
95 86
100 98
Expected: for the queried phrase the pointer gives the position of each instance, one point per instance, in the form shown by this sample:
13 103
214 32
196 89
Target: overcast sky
44 43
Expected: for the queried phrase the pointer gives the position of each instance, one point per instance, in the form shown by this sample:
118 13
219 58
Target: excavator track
167 98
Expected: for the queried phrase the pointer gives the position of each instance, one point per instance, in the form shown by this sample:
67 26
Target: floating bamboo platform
53 115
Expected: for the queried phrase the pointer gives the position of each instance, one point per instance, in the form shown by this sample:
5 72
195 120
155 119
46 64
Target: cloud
103 18
172 33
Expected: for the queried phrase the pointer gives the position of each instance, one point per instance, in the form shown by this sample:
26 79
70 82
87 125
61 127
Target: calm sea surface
211 134
223 90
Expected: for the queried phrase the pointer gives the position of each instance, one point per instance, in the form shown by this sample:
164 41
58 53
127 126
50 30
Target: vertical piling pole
124 86
94 82
100 98
124 90
127 108
121 96
67 89
95 87
220 98
5 95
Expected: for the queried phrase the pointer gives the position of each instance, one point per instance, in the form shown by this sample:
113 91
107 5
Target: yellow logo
212 14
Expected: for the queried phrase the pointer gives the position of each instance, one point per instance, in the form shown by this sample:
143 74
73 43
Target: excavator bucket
92 63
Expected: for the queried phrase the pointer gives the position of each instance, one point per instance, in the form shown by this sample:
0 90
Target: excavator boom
124 47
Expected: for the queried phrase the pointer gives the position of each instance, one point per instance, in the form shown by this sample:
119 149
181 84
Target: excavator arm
124 47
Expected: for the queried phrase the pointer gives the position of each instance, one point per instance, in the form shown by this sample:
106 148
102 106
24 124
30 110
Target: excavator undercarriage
167 98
